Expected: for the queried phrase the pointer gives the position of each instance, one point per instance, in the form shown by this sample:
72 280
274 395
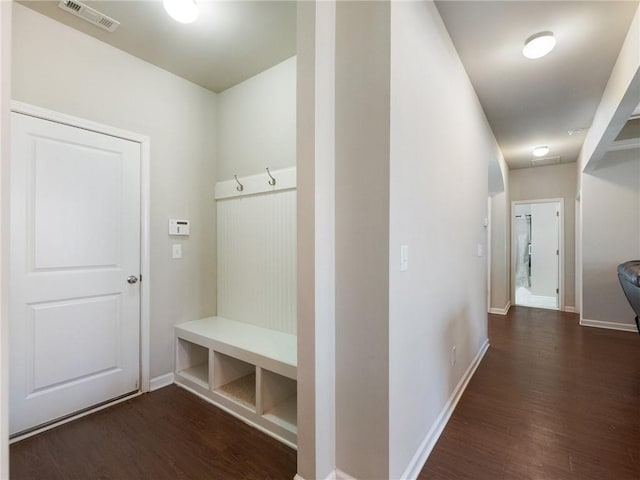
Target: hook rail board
285 179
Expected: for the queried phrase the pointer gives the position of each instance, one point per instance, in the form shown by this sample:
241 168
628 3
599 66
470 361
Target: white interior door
74 241
545 250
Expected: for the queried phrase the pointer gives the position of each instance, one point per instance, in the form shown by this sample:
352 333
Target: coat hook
272 182
240 187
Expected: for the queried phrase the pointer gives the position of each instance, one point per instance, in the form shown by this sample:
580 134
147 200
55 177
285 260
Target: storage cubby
248 371
192 362
278 399
234 379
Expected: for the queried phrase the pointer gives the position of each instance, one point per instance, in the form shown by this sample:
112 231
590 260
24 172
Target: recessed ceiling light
539 45
540 151
183 11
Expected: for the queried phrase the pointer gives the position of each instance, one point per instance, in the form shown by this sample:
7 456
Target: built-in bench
248 371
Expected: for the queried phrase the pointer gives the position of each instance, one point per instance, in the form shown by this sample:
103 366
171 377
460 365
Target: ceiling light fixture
540 151
183 11
539 45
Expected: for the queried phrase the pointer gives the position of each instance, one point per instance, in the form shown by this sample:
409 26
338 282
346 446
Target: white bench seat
270 349
247 370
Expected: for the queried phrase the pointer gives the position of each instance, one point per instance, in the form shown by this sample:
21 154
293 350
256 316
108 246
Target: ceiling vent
87 13
538 162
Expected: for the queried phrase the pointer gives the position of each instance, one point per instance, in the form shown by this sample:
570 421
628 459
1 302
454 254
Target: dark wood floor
550 401
168 434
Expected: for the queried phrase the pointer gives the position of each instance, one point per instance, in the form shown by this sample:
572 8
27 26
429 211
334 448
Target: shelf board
198 374
284 414
242 391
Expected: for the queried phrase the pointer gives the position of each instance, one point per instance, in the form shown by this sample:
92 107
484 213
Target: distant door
545 251
74 249
536 231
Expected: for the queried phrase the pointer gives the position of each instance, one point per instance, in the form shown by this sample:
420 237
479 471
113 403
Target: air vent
538 162
89 14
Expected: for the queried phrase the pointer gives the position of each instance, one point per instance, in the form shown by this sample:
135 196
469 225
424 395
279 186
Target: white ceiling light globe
539 45
183 11
540 151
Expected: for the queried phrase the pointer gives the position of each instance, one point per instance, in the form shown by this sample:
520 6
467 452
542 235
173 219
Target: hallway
550 400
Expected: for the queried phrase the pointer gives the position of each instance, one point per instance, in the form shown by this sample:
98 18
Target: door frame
145 144
561 305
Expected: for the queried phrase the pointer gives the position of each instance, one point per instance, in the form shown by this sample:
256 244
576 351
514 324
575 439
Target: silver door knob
132 279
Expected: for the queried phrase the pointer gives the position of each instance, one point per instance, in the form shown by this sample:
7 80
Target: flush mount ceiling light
540 151
539 45
183 11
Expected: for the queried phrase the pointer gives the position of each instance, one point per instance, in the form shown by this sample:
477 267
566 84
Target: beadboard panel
257 259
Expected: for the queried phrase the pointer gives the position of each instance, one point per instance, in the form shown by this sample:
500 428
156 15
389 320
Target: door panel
544 249
74 240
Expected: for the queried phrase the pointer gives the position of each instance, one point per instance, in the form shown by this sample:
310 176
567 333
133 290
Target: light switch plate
176 251
480 250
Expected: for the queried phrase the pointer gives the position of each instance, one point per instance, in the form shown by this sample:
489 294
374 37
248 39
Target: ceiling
228 43
536 102
527 102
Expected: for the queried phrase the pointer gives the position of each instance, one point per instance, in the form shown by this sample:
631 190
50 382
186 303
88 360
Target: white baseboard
624 327
333 475
161 381
570 309
501 311
424 450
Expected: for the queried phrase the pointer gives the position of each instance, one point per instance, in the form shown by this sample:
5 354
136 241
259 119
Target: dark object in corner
629 275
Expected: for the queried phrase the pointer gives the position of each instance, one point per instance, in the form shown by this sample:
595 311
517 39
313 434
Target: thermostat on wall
179 227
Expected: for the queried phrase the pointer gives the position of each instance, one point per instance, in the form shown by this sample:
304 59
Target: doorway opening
537 253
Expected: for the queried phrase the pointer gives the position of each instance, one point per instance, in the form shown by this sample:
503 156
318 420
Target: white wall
5 97
256 126
501 245
611 235
552 181
362 237
438 202
59 68
315 106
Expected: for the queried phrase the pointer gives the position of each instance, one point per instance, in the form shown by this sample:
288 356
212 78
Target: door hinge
557 214
557 290
557 253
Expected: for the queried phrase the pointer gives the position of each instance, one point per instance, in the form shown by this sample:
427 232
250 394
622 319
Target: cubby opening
235 380
192 362
278 397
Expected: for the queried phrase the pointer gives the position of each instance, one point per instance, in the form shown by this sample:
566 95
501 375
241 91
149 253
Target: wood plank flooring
550 401
165 435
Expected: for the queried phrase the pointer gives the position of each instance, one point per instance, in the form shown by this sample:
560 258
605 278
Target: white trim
424 450
570 309
161 381
254 184
624 327
333 475
628 144
239 417
501 311
145 152
74 417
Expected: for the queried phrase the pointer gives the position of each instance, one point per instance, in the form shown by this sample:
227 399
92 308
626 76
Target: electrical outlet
453 356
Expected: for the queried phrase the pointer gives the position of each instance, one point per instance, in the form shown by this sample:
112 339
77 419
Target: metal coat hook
240 187
272 182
